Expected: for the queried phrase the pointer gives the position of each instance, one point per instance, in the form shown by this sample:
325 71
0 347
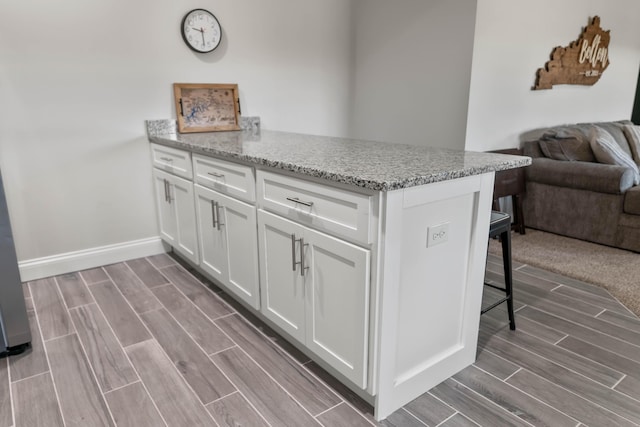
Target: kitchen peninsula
367 256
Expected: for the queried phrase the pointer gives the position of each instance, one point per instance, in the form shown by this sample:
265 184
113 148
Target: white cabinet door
281 284
181 195
213 255
238 224
327 307
177 213
166 213
229 243
337 312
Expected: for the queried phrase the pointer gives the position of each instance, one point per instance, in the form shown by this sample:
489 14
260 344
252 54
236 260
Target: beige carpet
616 270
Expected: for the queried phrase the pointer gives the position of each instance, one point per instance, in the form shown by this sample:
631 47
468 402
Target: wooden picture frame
206 107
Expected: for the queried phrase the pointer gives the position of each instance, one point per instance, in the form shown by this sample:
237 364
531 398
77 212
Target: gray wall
412 70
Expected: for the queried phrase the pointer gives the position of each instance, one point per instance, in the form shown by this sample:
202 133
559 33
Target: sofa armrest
597 177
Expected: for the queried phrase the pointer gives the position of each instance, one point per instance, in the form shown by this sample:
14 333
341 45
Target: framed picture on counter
206 107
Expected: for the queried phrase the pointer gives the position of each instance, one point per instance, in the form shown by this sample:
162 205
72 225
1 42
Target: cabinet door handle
293 254
166 159
298 201
213 214
164 182
302 267
169 199
293 251
217 175
218 215
166 190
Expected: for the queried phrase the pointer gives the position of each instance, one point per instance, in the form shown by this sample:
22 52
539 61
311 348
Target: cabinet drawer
336 211
226 177
169 159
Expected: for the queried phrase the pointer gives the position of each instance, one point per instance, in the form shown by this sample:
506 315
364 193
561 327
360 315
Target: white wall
515 38
77 83
78 80
412 69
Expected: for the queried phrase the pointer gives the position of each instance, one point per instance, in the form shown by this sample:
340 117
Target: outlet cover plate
437 234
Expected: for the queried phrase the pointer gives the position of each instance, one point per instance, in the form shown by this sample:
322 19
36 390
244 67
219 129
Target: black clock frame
185 38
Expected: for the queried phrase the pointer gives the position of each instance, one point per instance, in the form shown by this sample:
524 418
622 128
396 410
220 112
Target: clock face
201 30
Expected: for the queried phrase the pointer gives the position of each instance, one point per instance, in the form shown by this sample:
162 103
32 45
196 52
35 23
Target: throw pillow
632 133
607 151
615 129
571 149
567 131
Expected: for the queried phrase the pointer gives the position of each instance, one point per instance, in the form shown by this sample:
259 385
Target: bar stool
500 225
511 183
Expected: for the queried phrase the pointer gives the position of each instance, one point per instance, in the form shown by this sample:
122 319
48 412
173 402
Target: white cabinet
229 243
343 271
228 178
316 288
280 278
176 162
176 213
335 211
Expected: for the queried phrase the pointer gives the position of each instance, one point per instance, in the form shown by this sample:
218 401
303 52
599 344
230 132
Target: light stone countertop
373 165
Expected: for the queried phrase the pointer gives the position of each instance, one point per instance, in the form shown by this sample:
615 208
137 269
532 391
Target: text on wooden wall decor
580 63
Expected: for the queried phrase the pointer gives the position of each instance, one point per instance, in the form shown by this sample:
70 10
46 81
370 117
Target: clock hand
197 29
202 32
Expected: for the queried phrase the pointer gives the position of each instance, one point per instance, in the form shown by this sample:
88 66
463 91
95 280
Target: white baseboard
88 258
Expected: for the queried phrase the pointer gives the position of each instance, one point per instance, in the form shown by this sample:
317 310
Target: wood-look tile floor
145 343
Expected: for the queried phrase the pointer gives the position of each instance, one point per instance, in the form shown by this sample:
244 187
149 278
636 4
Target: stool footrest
494 305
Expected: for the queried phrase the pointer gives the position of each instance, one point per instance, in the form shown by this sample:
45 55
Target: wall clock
201 30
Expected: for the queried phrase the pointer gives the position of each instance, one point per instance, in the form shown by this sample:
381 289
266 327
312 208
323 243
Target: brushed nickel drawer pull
298 201
217 175
166 159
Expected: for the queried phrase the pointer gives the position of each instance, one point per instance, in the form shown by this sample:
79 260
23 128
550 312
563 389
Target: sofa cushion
632 201
571 149
609 152
632 133
614 128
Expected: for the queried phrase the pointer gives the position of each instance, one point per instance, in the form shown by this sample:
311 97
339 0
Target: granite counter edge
512 163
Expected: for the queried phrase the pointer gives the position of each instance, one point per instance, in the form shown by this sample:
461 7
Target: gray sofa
569 192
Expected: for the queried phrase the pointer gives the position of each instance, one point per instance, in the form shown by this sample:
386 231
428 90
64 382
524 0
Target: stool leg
508 279
519 213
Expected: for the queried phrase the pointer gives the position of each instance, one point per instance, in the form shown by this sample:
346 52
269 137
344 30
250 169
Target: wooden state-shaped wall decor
580 63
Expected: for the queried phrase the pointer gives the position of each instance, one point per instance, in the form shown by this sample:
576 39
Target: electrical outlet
437 234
